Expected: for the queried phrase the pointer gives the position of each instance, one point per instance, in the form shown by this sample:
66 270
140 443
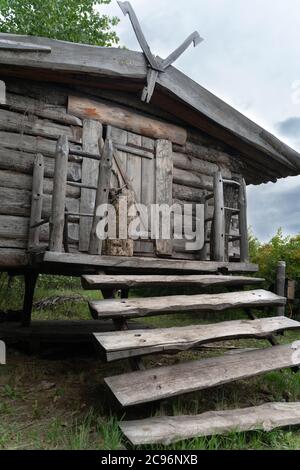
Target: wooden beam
36 202
96 282
2 92
170 429
126 344
117 116
169 381
59 194
134 308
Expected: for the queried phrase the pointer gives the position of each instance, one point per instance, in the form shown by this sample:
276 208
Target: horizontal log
164 382
23 162
139 263
134 308
31 144
18 202
204 167
120 345
9 179
204 152
186 193
170 429
192 180
124 118
13 227
39 107
13 258
96 282
30 124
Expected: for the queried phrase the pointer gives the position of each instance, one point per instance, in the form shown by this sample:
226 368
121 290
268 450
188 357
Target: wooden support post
59 194
95 246
91 136
2 92
219 219
203 255
30 278
36 202
243 226
280 284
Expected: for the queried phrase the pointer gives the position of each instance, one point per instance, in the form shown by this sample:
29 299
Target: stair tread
124 344
163 382
170 429
91 282
133 308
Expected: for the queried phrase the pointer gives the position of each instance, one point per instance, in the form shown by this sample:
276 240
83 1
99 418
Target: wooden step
124 344
133 308
169 429
134 263
126 281
169 381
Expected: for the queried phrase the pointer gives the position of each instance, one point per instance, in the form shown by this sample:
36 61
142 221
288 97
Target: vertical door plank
92 132
164 182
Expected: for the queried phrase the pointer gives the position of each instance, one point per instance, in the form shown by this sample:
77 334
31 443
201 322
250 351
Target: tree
69 20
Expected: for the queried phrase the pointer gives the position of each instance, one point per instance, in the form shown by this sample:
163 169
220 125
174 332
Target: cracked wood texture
170 381
131 308
169 429
119 345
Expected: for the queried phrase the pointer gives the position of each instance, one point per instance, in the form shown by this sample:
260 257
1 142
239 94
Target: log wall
33 116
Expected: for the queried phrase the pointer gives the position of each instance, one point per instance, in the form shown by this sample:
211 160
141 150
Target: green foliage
69 20
279 248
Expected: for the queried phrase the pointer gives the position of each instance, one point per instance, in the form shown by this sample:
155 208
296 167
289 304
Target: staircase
149 385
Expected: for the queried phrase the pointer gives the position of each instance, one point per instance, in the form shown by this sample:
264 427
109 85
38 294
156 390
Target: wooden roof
67 62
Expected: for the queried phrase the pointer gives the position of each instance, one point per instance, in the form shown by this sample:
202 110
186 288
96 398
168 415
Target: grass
59 401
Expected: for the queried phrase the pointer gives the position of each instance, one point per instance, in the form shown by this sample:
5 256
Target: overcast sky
250 59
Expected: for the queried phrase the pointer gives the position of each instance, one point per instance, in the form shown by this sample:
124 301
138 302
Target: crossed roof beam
156 64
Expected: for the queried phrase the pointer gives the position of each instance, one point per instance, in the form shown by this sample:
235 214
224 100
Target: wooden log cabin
74 134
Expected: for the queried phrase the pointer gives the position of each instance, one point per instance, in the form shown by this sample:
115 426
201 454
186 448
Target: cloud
289 127
250 58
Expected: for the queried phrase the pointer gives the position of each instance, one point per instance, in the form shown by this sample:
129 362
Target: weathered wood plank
22 162
31 144
9 179
30 124
204 167
164 195
2 92
100 281
36 202
17 202
59 194
136 263
186 193
120 345
92 133
164 382
170 429
218 228
243 224
125 118
133 308
41 108
13 258
193 180
95 244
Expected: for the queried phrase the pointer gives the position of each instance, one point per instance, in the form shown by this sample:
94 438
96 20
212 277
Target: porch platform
50 261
